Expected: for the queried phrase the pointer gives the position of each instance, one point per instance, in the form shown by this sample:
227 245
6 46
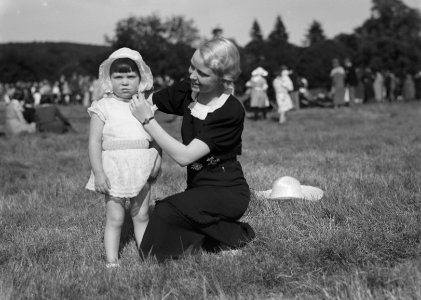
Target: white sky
87 21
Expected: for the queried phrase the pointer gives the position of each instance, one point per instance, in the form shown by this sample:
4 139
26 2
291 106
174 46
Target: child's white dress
126 157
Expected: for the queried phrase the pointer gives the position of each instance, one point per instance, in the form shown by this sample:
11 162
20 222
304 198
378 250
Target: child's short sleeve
97 108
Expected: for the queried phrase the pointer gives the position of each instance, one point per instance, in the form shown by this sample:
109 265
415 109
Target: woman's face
125 85
203 79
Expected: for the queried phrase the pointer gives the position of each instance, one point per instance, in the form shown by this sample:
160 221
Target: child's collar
119 98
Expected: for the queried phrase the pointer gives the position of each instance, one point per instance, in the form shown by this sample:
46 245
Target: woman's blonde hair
222 57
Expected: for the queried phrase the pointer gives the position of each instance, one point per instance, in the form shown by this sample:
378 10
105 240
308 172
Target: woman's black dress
206 215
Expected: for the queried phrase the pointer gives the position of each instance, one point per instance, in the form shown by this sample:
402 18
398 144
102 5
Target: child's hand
156 170
154 177
102 184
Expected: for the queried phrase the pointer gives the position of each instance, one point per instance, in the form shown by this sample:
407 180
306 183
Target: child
122 154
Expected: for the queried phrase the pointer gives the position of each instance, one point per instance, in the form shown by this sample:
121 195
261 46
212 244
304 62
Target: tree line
390 39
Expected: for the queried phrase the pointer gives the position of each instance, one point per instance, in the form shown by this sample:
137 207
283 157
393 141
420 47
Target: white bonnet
146 80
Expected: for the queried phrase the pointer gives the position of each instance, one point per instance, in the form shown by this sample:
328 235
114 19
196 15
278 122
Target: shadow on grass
127 232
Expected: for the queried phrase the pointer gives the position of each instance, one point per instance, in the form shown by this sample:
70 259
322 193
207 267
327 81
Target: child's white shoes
112 265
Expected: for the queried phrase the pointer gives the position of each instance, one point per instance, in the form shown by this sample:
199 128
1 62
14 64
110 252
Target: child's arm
102 184
157 165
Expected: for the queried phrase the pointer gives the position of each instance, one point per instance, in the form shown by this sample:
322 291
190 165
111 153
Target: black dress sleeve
172 100
222 129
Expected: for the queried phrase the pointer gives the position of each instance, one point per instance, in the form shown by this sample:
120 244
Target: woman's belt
211 162
125 144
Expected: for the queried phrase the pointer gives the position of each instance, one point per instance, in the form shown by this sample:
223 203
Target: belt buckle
212 161
196 166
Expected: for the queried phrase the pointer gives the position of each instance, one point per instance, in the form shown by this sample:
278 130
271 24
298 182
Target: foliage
361 241
279 33
165 45
37 61
181 31
390 39
317 61
315 34
256 34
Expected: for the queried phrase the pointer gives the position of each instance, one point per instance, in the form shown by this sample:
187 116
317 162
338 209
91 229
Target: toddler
122 154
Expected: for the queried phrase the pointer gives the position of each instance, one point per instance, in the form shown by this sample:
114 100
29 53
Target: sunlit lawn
361 241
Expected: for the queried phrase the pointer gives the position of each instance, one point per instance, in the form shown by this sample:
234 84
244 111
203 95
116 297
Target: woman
15 121
206 215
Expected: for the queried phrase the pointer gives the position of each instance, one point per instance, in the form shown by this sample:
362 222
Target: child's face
125 85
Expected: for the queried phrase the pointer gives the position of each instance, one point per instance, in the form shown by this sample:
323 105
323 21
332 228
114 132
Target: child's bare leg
114 222
140 212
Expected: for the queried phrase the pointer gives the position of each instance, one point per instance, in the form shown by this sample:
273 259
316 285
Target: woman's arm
102 184
182 154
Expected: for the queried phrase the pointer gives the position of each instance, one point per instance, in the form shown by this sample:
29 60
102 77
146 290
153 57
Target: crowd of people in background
33 106
77 89
349 85
364 85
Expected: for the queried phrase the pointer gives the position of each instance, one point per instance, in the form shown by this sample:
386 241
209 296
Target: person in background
351 80
206 215
283 85
359 89
258 86
379 87
65 91
408 89
28 106
15 122
338 84
368 81
56 92
390 85
49 118
122 154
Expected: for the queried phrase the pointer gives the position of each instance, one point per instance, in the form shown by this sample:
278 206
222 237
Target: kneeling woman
206 215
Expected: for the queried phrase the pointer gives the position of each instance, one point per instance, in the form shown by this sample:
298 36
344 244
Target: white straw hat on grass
287 187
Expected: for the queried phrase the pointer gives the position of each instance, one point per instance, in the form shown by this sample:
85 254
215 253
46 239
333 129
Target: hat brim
146 78
310 193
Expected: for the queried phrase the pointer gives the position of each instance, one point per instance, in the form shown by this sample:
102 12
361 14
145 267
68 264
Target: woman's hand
140 108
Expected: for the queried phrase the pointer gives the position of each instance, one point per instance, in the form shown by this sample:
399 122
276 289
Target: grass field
361 241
